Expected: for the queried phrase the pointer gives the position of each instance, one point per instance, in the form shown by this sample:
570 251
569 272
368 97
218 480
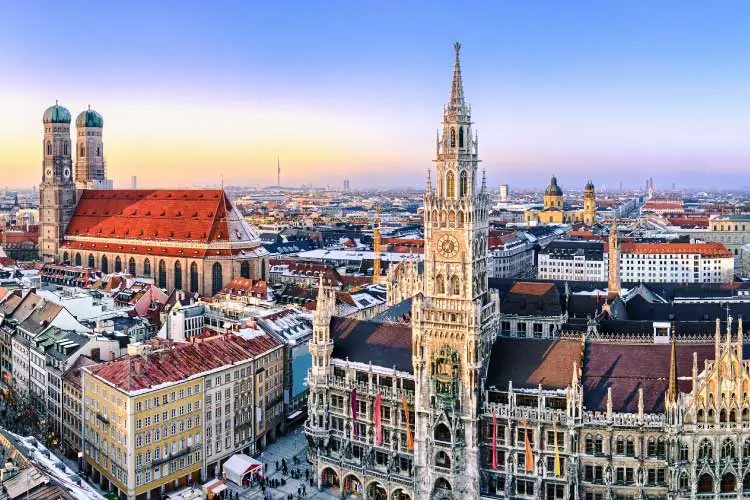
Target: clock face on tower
66 172
447 246
49 173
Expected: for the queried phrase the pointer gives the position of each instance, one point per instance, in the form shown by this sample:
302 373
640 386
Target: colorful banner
376 417
494 440
557 451
409 437
355 427
529 455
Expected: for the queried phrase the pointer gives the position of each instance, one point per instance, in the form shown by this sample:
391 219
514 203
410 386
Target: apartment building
145 415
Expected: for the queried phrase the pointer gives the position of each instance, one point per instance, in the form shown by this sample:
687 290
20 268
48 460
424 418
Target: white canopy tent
239 466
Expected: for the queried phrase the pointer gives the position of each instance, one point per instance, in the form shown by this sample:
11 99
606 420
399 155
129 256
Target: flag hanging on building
557 451
376 417
529 455
494 440
355 429
409 437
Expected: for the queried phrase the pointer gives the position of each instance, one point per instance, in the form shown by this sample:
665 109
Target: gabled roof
532 299
387 345
627 368
136 373
529 363
197 215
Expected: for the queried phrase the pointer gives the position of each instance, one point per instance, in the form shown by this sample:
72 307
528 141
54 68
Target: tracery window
706 451
450 185
727 449
463 184
445 372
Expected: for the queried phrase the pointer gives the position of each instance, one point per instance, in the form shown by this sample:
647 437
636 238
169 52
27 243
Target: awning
294 415
220 488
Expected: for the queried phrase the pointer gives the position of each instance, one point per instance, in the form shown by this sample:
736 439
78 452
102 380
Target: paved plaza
286 447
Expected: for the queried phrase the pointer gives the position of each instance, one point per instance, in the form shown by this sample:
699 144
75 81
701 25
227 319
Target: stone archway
705 483
330 481
399 494
442 490
352 485
376 491
728 483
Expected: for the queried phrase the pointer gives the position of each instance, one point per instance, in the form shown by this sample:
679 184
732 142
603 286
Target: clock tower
454 317
57 193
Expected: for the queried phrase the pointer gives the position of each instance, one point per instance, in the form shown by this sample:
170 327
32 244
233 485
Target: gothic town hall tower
454 316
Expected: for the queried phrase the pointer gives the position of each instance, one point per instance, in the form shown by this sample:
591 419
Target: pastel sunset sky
612 91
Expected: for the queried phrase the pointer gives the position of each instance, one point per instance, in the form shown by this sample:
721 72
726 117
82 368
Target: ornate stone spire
457 87
672 389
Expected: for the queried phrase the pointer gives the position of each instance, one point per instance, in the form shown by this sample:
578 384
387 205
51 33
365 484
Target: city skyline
347 91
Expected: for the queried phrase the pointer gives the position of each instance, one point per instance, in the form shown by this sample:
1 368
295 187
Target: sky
614 91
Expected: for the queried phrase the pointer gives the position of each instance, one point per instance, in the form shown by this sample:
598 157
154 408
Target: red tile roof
201 215
136 373
704 249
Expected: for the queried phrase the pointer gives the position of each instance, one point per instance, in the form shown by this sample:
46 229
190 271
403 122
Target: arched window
65 148
463 184
78 259
453 137
723 416
450 185
98 151
435 219
118 264
439 284
732 415
65 257
193 277
162 274
245 269
262 269
461 137
451 219
589 443
728 483
460 219
684 482
706 451
598 445
147 268
746 449
216 278
49 148
684 452
442 459
727 449
83 151
105 264
705 484
178 275
455 285
442 433
131 266
92 261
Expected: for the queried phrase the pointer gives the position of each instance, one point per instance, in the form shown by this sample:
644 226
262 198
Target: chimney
112 356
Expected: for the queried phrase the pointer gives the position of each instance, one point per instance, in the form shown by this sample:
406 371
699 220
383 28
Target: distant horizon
585 91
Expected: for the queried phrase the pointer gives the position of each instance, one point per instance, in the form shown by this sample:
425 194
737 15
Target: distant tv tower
278 171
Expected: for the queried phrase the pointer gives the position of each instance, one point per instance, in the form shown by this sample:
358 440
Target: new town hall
194 240
442 406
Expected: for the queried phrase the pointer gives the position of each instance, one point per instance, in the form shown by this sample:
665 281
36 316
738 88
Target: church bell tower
57 193
453 317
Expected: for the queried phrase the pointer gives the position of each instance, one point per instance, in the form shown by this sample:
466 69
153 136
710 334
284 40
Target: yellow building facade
145 429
